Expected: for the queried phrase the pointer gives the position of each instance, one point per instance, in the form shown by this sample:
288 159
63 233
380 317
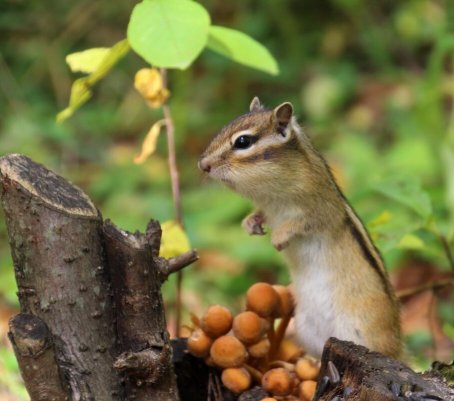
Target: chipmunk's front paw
253 223
280 238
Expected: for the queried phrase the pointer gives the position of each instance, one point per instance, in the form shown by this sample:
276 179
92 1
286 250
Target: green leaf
168 33
87 61
81 88
408 192
241 48
116 53
411 241
80 94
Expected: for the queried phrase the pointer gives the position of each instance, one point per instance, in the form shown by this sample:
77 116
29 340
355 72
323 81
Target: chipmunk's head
257 153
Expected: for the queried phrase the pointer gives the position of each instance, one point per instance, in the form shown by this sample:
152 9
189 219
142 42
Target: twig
445 244
433 286
431 316
179 262
175 182
174 176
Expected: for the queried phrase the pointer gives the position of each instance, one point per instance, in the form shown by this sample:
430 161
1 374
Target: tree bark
136 273
352 372
55 238
58 247
34 349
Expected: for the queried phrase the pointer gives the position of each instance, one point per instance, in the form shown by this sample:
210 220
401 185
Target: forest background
372 82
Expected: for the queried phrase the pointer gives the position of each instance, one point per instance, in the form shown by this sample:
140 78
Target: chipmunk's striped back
341 285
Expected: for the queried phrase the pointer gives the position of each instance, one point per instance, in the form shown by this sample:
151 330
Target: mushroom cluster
250 347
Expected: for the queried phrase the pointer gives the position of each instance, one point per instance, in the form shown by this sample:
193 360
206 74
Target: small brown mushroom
286 301
228 352
307 390
262 299
277 381
249 327
260 349
307 369
288 351
217 321
199 343
236 380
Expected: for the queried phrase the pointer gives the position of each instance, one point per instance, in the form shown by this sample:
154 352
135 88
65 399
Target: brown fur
298 198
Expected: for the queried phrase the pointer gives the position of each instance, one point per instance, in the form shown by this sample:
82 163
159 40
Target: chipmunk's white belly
317 317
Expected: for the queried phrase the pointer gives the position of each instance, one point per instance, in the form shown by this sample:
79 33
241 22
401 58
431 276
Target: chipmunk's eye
243 142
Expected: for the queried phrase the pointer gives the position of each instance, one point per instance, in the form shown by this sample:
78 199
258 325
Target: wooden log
34 350
352 372
136 275
56 243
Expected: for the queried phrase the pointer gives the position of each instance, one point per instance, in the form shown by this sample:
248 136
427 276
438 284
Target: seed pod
262 299
217 321
307 390
236 380
286 301
307 369
228 352
259 349
277 381
288 351
249 327
199 343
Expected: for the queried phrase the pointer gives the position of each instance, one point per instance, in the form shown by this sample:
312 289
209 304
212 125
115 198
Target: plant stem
445 244
432 286
280 333
175 182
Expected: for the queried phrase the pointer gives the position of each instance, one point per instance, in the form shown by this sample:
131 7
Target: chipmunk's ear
255 105
283 114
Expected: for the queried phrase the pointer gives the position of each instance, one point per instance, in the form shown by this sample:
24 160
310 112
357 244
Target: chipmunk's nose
204 165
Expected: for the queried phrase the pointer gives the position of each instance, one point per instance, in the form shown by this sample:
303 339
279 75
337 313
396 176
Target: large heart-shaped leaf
168 33
241 48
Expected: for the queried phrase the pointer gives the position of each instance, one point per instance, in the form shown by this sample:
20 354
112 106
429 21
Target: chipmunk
341 286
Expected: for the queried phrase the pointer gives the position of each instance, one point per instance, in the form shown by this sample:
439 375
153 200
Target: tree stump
57 241
352 372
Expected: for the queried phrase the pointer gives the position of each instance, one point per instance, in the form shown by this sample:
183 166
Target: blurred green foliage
373 83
